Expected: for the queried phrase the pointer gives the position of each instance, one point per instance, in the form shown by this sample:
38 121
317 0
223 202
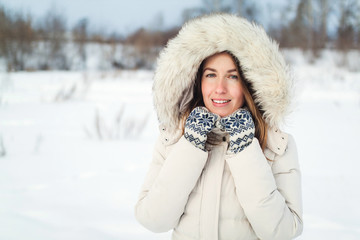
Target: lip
220 102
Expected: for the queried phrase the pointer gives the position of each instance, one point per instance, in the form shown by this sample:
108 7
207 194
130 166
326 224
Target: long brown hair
256 112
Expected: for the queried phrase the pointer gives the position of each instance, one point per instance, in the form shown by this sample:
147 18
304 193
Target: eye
235 77
210 75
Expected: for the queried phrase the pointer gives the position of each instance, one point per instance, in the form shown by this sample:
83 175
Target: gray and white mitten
241 129
197 126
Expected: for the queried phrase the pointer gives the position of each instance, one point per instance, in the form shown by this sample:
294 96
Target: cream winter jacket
211 195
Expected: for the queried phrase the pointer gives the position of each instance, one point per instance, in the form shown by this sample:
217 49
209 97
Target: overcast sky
122 16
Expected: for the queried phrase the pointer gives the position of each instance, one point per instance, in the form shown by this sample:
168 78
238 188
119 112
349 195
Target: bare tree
279 29
53 33
17 39
80 38
347 29
141 47
302 31
302 26
323 36
4 30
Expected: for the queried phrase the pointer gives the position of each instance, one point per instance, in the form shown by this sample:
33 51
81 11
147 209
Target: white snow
75 147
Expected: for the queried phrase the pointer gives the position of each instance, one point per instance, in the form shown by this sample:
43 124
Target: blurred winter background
77 125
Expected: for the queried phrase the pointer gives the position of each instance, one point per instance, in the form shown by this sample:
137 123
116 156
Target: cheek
205 89
239 96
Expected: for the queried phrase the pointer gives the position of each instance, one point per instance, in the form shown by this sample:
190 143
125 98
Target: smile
220 101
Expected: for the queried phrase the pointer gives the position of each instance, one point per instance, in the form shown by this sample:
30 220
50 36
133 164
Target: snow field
75 148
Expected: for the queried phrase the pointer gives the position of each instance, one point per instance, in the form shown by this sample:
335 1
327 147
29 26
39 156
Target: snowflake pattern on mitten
199 123
241 129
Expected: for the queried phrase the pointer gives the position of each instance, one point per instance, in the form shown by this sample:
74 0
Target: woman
221 167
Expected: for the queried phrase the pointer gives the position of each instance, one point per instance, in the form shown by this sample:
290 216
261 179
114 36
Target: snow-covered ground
75 147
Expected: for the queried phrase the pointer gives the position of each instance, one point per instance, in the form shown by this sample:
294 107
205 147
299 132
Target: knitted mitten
199 123
241 129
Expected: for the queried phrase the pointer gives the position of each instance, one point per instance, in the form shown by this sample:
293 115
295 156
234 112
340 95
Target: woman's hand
241 129
199 123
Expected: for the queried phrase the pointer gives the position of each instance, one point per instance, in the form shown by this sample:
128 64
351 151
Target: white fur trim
262 63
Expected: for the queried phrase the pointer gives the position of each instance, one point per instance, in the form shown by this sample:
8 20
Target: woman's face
220 85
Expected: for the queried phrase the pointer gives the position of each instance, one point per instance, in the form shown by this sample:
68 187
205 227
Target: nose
220 86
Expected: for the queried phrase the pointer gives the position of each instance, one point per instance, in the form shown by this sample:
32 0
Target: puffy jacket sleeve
269 195
168 185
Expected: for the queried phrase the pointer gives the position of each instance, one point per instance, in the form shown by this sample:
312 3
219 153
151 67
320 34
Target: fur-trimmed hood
261 62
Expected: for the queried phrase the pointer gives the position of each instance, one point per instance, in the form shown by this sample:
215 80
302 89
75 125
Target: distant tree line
305 24
46 44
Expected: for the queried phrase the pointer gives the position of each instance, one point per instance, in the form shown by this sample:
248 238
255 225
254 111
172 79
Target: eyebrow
214 70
